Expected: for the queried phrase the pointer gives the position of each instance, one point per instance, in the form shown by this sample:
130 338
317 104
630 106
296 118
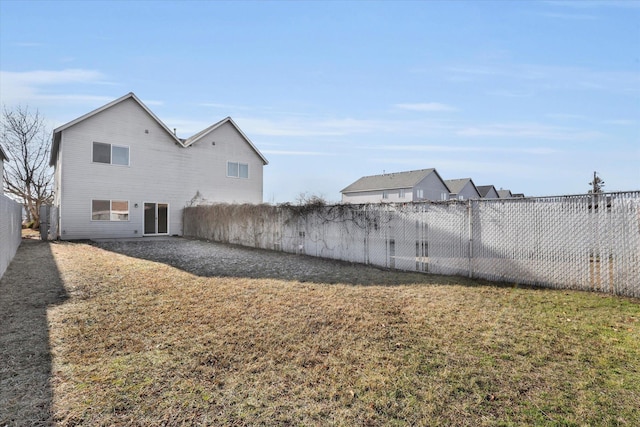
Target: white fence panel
571 242
10 231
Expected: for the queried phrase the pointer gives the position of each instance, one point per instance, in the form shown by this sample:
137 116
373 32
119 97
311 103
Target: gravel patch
212 259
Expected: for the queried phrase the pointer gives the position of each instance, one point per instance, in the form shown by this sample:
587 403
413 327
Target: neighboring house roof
389 181
184 143
504 194
456 185
484 189
198 136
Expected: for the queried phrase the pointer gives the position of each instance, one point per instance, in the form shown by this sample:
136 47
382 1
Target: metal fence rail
589 242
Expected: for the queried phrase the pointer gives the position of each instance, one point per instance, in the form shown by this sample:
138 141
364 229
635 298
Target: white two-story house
399 187
121 172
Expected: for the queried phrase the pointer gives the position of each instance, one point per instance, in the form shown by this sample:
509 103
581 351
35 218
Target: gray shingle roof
484 189
504 194
456 185
389 181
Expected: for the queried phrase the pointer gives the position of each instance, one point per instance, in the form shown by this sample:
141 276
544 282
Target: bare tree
596 185
27 174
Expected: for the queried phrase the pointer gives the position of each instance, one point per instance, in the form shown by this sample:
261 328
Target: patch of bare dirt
211 259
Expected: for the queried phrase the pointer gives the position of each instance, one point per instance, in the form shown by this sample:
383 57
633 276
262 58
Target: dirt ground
211 259
29 286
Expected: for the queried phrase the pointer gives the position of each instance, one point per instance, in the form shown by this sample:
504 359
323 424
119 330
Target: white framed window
401 193
444 196
109 210
420 193
110 154
237 170
385 194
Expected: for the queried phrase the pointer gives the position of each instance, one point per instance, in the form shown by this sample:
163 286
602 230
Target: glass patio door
156 218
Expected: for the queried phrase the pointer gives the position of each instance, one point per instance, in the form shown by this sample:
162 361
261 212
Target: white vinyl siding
161 172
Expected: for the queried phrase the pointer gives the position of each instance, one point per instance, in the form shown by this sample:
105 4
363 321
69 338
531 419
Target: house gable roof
55 146
456 185
390 181
57 132
203 133
484 189
504 194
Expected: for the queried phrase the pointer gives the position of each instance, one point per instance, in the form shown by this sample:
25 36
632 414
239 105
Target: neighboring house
488 192
120 172
399 187
504 194
462 189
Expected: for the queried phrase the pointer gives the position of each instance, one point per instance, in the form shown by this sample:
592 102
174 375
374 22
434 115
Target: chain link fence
588 242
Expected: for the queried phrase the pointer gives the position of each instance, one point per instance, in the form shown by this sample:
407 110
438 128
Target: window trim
111 146
111 211
238 164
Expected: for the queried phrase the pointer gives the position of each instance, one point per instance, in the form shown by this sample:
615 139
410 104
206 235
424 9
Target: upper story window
110 154
385 194
237 170
401 193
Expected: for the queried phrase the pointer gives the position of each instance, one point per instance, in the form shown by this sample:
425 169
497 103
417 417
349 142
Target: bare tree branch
27 174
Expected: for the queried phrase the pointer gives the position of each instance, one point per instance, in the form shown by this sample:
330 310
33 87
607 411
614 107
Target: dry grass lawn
137 342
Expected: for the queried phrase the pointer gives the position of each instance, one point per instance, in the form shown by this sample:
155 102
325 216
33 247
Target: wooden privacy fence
588 242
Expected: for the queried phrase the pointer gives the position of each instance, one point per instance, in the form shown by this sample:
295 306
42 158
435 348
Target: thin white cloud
511 93
620 122
566 116
426 107
223 106
570 16
529 131
535 77
27 44
296 153
35 86
312 127
467 149
593 4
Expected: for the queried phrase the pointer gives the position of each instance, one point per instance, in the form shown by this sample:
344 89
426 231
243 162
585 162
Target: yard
186 332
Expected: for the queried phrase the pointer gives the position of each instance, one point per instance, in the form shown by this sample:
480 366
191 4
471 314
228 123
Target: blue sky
532 96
